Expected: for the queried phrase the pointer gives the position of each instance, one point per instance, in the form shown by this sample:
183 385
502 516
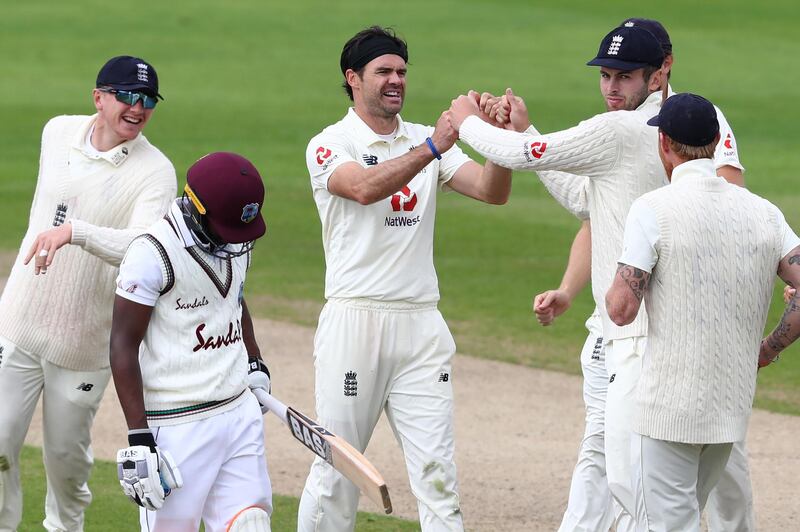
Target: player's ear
353 78
96 97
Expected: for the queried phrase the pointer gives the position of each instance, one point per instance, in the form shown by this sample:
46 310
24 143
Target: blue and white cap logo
249 212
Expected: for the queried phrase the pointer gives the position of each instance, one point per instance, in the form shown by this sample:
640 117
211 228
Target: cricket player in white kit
100 184
184 355
730 506
381 343
613 160
704 254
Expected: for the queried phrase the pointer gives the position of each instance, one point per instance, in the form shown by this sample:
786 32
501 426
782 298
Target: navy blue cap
629 48
128 73
687 118
654 27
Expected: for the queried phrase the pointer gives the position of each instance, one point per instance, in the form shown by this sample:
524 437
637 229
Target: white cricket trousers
69 402
221 459
672 480
372 356
590 504
730 507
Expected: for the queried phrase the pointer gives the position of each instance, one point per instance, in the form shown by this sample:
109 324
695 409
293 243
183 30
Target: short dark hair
649 70
357 39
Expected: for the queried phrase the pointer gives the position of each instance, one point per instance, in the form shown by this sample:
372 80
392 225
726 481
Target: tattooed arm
625 295
788 329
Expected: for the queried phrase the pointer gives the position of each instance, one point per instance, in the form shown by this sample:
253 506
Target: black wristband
142 437
256 364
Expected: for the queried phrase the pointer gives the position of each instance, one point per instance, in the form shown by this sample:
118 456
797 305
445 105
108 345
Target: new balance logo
370 160
444 377
85 387
350 384
61 214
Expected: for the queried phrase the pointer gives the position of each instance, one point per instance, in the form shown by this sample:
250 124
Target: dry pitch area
517 431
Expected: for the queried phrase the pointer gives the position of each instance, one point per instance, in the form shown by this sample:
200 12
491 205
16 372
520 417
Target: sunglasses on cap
132 97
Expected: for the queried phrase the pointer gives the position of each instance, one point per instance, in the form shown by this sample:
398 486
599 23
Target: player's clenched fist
549 305
146 473
788 293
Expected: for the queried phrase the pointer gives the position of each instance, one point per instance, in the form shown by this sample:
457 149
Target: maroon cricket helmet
228 191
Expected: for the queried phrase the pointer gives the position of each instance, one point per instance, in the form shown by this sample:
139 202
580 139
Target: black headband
369 49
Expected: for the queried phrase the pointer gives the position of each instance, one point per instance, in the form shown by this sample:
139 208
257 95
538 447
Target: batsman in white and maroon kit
181 337
381 343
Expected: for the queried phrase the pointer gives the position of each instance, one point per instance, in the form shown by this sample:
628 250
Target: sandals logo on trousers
350 384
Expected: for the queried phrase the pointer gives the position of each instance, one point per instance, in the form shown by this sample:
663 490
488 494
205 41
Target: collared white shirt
85 159
382 251
641 239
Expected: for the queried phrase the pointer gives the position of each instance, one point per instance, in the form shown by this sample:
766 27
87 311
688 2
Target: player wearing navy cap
602 165
730 505
100 184
703 253
183 354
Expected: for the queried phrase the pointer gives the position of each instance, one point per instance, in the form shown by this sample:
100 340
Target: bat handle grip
275 406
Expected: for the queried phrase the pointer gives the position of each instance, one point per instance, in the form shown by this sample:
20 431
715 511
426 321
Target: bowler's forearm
788 328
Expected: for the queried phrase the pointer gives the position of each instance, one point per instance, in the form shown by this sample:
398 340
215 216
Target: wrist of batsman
143 437
256 364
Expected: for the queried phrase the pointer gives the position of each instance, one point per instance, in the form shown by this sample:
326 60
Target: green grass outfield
261 77
111 511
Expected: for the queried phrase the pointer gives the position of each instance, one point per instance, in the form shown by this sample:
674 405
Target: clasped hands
507 111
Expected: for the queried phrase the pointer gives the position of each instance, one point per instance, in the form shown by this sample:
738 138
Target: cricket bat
335 450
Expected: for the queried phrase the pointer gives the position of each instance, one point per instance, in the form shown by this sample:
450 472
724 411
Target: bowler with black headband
702 254
100 184
382 344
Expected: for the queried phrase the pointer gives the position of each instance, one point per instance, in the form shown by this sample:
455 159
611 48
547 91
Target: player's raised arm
374 183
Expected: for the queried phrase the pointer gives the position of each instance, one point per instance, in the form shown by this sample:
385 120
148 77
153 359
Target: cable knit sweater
616 151
718 251
64 316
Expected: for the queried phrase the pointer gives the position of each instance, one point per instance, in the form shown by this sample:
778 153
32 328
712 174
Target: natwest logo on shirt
323 154
728 141
325 157
535 150
404 200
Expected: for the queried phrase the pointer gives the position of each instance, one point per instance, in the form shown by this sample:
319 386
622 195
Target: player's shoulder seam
163 256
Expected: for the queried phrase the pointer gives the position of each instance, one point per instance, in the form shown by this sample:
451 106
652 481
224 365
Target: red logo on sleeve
728 142
537 149
404 200
322 155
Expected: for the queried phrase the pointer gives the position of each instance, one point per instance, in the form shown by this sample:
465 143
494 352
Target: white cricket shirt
382 251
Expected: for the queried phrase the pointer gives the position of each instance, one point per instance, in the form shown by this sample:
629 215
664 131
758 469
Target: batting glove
146 473
258 377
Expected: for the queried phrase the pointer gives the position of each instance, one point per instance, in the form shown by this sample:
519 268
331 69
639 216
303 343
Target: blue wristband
433 149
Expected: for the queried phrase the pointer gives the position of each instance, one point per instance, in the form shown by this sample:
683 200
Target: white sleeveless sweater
719 247
193 358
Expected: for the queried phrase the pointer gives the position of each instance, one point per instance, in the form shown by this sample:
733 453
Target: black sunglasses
132 97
